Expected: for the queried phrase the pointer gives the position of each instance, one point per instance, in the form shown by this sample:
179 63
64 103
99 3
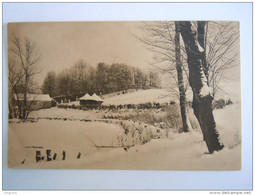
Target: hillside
140 96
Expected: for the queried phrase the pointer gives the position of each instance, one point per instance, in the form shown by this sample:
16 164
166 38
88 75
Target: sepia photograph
138 95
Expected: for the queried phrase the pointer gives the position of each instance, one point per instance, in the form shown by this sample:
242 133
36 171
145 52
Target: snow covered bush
136 133
169 115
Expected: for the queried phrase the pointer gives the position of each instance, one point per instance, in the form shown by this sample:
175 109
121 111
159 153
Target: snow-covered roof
34 97
94 97
86 97
97 98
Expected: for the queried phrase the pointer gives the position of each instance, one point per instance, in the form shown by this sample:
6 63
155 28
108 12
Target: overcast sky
61 44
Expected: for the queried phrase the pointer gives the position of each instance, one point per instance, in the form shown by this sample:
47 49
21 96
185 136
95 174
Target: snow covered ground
140 96
135 97
55 112
185 151
69 136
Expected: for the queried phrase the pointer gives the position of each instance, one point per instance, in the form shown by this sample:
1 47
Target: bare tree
179 70
23 68
163 38
14 77
222 51
202 97
220 42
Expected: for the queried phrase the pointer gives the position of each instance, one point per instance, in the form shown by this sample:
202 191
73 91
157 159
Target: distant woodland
83 78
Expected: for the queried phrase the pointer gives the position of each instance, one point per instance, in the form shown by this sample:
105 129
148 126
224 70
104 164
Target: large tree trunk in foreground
202 42
201 38
179 70
202 103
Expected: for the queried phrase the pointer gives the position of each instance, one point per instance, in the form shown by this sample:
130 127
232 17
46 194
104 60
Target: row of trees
23 66
198 54
82 78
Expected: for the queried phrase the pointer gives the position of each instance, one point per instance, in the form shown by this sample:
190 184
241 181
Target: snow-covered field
173 151
55 112
141 96
135 97
69 136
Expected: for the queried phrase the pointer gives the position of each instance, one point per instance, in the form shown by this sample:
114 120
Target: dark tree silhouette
50 84
179 69
202 102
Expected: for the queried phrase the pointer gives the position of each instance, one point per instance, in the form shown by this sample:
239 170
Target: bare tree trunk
18 102
202 103
27 69
179 70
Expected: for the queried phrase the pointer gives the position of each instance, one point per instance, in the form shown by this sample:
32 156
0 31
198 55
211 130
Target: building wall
90 103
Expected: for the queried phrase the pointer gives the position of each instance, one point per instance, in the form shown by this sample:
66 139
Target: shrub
219 104
229 102
172 103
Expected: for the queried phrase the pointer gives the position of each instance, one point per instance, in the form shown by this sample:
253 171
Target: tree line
82 78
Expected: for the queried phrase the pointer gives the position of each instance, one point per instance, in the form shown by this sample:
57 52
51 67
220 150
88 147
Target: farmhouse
90 101
67 98
35 101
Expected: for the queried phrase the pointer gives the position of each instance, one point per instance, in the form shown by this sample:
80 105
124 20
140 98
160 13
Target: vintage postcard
162 95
